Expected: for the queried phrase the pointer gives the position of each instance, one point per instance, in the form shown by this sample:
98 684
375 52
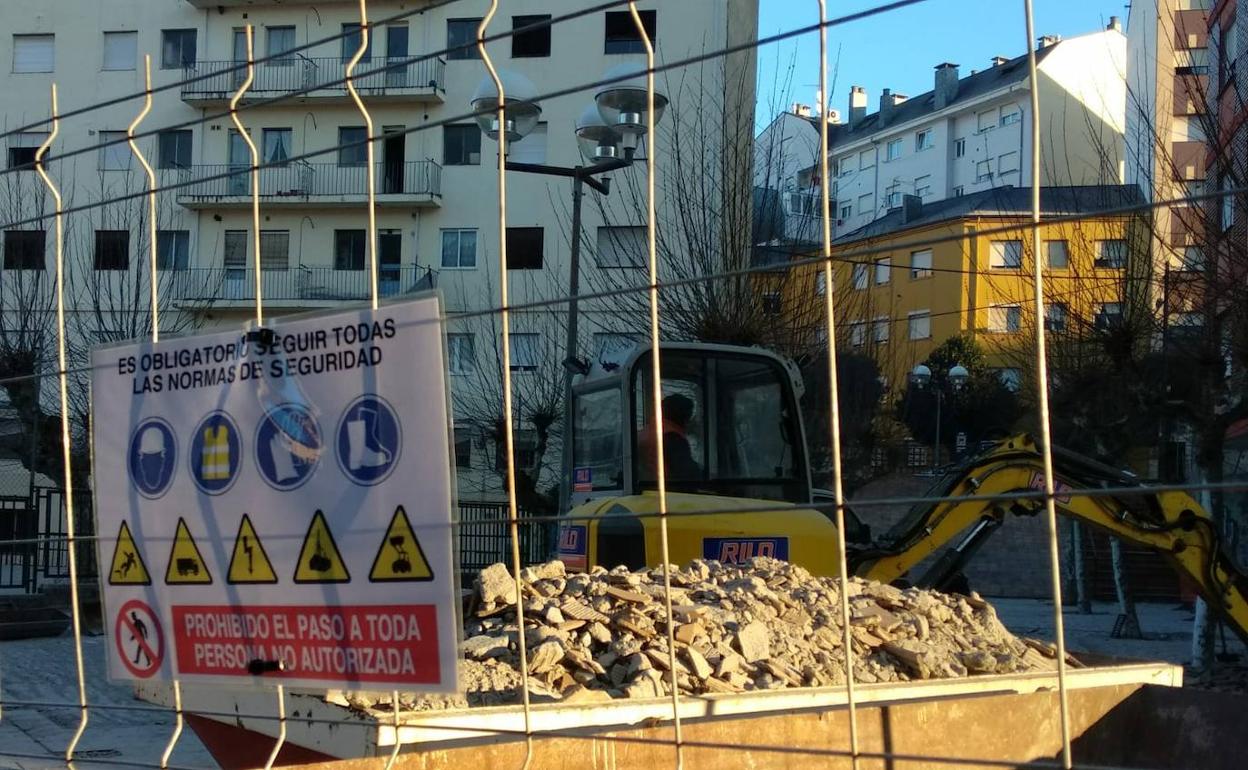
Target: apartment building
435 171
904 298
1168 45
973 133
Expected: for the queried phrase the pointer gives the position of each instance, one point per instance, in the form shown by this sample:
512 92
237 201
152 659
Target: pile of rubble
762 626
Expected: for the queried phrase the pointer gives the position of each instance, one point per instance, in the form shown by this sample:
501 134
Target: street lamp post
608 132
955 379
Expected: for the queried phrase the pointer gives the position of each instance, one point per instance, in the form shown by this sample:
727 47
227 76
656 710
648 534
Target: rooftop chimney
857 105
889 100
997 61
1044 41
1115 25
802 110
946 84
911 208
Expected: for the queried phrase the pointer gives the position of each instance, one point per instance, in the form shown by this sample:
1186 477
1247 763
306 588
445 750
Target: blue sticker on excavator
738 550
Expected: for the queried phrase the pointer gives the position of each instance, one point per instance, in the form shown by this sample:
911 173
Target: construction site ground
43 670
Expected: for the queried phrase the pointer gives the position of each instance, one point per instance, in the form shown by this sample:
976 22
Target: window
880 328
621 34
957 191
534 43
463 447
983 170
280 41
460 353
883 270
1005 320
1227 54
274 249
857 333
1055 317
821 283
461 38
894 199
121 51
921 264
1057 255
525 446
277 145
173 149
34 53
1010 114
352 147
524 351
892 150
351 43
924 140
847 210
114 151
866 159
459 249
923 186
772 303
1011 378
622 246
1007 163
919 325
959 148
177 48
846 165
986 120
1192 259
860 276
866 204
524 248
531 150
173 249
1111 253
461 145
24 249
1228 203
1005 255
234 246
23 146
349 249
112 249
1108 314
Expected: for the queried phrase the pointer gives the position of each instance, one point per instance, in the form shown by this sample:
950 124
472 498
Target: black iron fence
299 181
485 538
389 76
297 283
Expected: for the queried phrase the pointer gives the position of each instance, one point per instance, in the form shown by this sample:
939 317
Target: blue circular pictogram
216 453
369 440
153 457
288 446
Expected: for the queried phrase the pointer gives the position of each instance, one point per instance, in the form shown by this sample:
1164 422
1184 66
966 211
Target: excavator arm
995 485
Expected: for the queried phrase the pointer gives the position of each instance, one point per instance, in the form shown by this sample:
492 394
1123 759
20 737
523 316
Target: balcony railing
297 182
209 285
391 76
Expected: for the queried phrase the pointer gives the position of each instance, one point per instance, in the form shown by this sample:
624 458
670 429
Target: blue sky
898 49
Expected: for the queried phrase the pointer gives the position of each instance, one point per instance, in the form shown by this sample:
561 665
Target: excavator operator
678 462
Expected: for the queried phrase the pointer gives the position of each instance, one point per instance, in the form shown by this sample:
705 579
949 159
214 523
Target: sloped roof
1004 201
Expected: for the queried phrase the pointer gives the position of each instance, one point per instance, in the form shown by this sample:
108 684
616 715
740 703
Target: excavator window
597 445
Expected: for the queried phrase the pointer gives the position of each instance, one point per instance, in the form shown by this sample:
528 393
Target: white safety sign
275 507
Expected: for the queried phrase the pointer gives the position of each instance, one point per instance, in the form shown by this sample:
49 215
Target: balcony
388 79
214 4
307 185
293 287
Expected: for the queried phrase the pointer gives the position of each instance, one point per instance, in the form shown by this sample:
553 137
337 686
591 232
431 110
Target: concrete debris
764 625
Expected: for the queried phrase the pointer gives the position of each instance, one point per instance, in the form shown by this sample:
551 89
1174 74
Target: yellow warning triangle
319 559
400 557
249 563
127 568
186 565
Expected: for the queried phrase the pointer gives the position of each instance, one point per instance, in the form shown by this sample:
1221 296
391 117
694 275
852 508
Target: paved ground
43 670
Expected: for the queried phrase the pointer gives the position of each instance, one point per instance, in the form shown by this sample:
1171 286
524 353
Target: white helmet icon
152 441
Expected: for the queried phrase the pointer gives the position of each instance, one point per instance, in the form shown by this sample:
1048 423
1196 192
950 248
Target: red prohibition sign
146 659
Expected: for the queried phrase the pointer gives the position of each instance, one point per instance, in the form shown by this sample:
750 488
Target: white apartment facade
973 133
436 212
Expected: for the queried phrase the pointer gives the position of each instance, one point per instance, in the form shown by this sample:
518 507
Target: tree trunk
1202 624
1082 589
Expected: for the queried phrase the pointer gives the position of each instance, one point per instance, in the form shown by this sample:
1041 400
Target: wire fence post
371 171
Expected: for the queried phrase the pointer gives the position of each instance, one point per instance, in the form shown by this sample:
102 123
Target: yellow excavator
739 486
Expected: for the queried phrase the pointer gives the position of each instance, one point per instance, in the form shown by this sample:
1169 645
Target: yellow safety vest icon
215 460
